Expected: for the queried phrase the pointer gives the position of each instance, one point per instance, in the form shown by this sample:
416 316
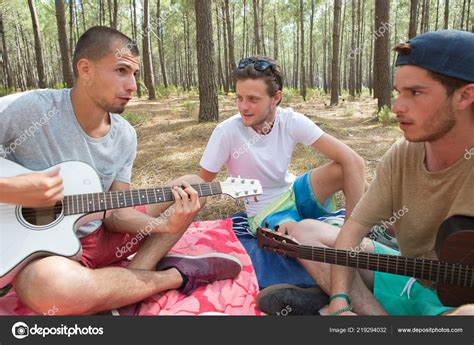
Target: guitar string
136 196
332 253
135 199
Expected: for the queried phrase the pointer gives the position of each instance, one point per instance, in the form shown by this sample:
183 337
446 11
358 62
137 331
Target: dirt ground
171 140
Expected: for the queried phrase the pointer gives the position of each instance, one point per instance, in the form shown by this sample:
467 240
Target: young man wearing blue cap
424 178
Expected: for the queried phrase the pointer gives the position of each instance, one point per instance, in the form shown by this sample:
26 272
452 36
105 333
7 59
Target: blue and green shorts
400 295
296 204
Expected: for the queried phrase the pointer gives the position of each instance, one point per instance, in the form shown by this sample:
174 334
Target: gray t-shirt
39 129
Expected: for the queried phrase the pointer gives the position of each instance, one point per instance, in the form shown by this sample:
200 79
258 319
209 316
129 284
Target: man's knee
315 233
327 180
50 284
191 178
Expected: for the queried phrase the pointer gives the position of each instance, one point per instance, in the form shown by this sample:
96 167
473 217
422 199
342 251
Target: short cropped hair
97 42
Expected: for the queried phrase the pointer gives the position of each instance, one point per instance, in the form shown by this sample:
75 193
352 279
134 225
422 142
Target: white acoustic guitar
28 233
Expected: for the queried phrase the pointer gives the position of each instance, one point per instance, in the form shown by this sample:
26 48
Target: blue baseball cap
447 52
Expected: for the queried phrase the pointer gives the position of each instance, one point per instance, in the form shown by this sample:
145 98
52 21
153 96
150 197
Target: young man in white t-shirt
258 143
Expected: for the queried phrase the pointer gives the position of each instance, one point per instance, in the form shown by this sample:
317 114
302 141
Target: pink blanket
232 296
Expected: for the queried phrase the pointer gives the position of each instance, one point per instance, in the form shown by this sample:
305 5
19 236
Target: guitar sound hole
42 216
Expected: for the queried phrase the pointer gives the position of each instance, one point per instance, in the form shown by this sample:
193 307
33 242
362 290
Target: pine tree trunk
446 14
262 34
243 54
220 73
71 28
311 56
352 55
161 50
341 45
360 38
6 64
63 45
225 66
437 15
302 63
208 101
135 40
275 36
463 14
83 15
256 27
38 46
335 53
325 53
147 62
413 19
115 14
381 53
230 40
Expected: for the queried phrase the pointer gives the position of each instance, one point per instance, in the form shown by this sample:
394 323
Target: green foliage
190 108
385 116
365 92
349 112
6 91
135 119
59 86
162 91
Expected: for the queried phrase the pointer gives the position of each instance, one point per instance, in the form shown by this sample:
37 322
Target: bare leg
157 245
318 234
466 309
70 288
67 287
327 180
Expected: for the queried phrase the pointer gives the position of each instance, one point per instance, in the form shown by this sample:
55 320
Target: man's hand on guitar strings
186 206
38 189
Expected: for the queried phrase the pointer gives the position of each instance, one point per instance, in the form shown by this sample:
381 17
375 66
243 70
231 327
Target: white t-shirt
247 154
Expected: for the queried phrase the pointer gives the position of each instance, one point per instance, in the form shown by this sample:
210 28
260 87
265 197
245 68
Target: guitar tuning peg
255 199
247 201
266 224
286 231
276 227
252 182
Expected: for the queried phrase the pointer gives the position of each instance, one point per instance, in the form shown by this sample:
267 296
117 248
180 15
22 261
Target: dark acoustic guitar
453 273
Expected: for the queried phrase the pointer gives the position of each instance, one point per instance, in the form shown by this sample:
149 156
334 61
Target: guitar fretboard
96 202
427 269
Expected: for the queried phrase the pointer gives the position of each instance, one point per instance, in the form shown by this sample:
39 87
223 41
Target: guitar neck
432 270
96 202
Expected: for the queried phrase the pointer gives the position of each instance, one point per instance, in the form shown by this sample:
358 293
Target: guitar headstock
237 187
276 242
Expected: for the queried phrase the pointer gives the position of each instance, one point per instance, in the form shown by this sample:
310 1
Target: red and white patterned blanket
232 296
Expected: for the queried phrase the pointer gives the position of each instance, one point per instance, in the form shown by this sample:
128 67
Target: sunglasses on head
258 65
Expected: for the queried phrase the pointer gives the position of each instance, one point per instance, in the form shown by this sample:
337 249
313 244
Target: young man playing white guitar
425 178
85 126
